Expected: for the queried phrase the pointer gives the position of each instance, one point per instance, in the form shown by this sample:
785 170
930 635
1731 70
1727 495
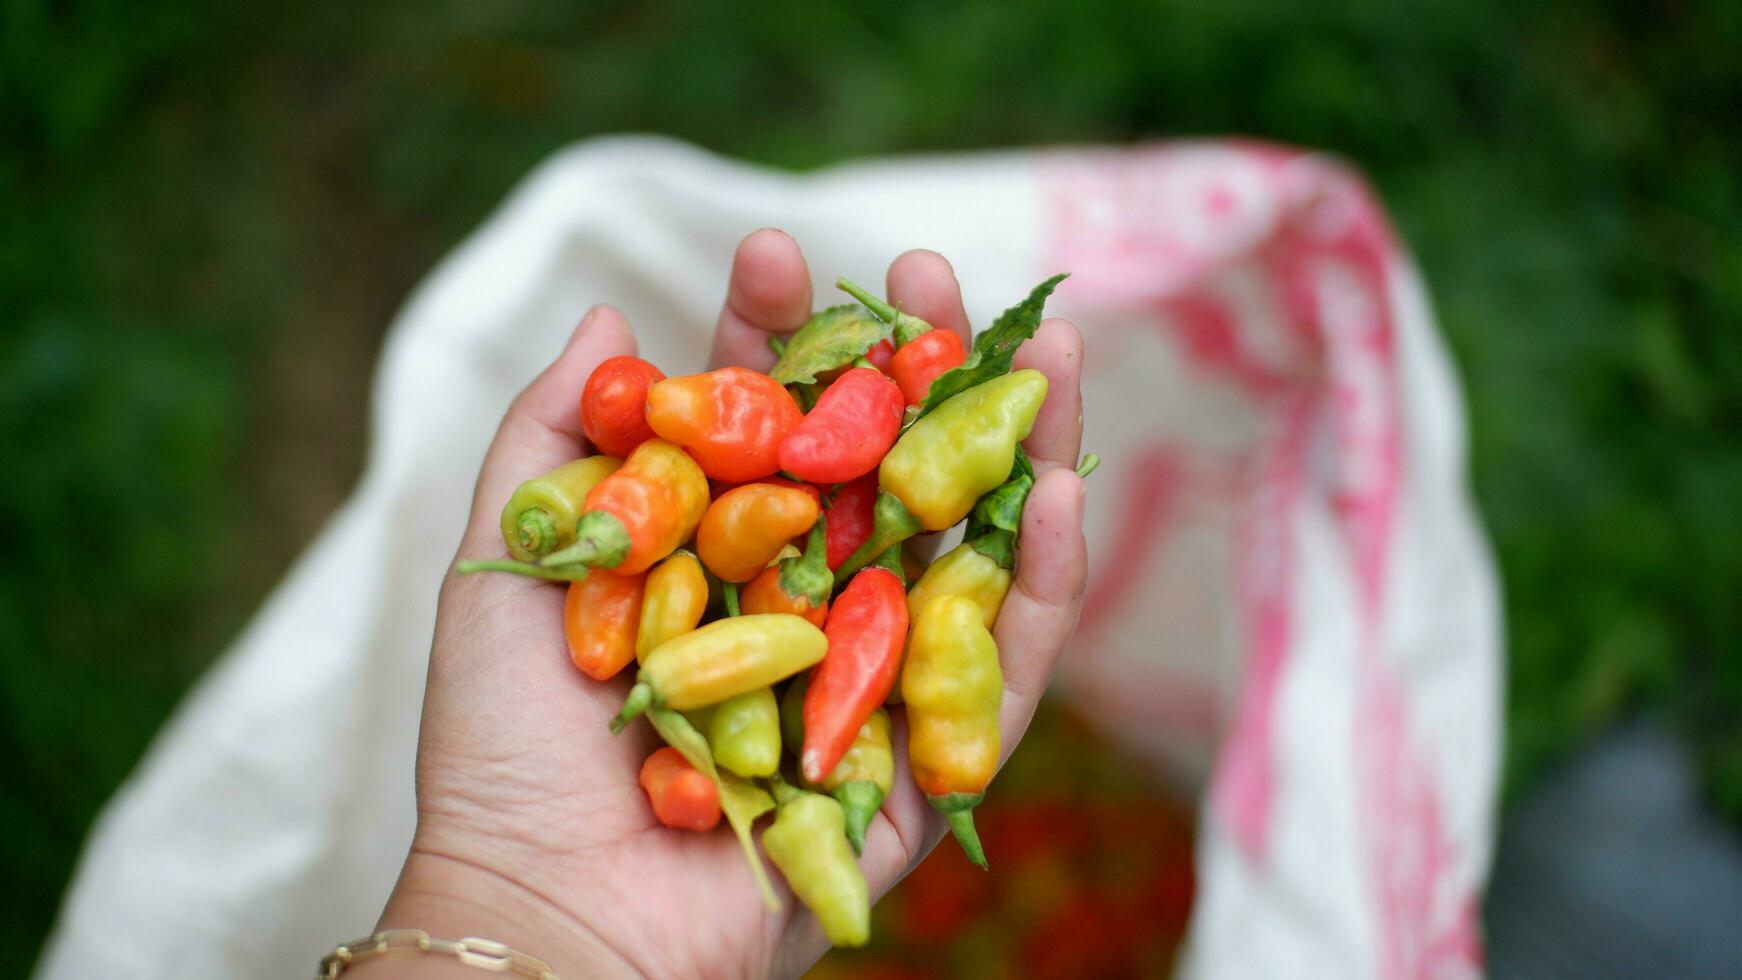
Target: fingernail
581 328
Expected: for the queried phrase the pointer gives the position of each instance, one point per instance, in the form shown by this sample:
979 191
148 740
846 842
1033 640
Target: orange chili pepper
682 796
657 497
796 585
744 529
731 420
600 618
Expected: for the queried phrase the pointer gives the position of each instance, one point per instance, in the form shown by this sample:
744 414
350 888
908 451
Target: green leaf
830 339
741 801
997 517
993 350
1002 506
996 544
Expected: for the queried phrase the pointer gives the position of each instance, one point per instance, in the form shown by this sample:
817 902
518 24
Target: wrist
449 898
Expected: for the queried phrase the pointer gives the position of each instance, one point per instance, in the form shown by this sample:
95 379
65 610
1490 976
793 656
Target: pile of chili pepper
743 540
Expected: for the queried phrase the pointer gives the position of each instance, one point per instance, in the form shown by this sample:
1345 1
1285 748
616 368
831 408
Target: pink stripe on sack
1242 791
1173 230
1341 249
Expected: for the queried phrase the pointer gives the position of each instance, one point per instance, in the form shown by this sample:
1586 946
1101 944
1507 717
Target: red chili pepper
880 355
866 629
846 435
682 796
919 361
851 517
614 404
731 421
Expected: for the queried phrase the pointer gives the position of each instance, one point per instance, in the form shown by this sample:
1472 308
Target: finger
769 292
1041 609
1056 350
922 283
542 429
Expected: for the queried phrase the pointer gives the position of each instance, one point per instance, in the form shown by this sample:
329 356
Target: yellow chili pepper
540 515
808 843
967 572
674 598
953 688
723 659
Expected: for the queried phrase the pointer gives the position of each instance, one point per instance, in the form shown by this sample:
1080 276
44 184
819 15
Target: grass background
209 212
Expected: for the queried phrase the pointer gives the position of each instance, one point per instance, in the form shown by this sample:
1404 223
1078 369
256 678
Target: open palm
532 829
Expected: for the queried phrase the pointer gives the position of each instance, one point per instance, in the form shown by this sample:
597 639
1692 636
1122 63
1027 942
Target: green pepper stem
784 792
894 524
907 326
958 811
807 576
890 561
1088 465
535 532
860 800
876 304
640 699
564 573
601 541
962 826
730 589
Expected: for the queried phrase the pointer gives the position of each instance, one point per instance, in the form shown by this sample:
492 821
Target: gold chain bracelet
482 953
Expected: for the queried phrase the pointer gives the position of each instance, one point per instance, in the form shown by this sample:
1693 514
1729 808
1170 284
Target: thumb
542 429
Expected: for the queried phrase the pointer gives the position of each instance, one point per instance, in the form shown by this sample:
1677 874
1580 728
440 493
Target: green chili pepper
943 464
540 516
808 843
744 732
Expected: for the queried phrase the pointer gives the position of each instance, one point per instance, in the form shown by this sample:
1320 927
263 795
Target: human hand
532 829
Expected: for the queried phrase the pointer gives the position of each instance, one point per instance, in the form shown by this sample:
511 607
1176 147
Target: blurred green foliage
210 211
